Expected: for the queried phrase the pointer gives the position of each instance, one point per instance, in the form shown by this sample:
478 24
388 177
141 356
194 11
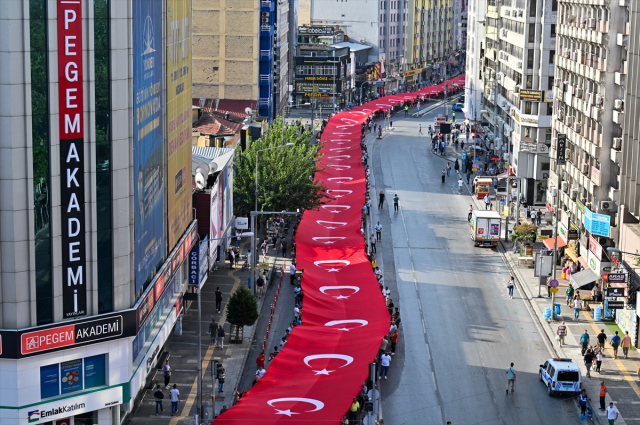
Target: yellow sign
178 117
554 289
412 72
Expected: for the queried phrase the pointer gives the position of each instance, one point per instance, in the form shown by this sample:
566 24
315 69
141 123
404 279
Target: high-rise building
474 59
589 118
393 40
95 170
235 55
429 45
518 78
281 55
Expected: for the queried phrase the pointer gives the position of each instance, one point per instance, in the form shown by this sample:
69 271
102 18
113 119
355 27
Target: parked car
561 376
458 107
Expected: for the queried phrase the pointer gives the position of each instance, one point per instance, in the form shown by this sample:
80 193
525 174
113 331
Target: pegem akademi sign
72 187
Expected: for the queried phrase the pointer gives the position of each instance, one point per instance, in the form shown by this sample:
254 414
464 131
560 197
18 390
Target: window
552 57
554 5
530 56
568 376
40 159
553 30
73 375
532 8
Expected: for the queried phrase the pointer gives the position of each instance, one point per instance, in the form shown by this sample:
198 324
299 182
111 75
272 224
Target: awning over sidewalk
582 278
549 243
583 262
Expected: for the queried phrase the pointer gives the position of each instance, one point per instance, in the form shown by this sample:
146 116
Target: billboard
178 118
148 143
72 184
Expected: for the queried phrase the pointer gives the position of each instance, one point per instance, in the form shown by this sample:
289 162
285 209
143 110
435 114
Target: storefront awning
549 243
582 278
583 262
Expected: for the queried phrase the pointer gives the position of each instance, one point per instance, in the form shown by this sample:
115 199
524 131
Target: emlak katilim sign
72 187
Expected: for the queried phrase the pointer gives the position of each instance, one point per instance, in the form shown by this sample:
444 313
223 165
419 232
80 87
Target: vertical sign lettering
71 101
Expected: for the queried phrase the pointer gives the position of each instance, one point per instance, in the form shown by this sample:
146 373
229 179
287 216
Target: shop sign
580 206
529 119
616 277
412 72
548 96
72 185
595 176
313 46
72 406
614 260
595 264
564 218
614 292
242 223
572 234
597 224
530 95
595 247
315 30
615 305
315 87
562 232
198 265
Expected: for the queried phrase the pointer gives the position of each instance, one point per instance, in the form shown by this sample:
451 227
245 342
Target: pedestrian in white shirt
260 373
372 242
175 399
612 413
576 307
385 360
378 228
386 292
292 272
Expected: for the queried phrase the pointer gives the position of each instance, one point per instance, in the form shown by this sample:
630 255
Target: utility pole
555 237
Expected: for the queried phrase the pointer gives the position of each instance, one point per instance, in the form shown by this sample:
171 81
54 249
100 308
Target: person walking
626 343
175 399
615 343
456 165
395 202
385 361
212 330
448 169
487 201
602 339
283 245
570 292
511 284
383 346
444 174
221 377
232 258
549 280
460 184
599 356
576 307
612 413
292 273
381 199
378 228
561 332
588 361
372 242
159 396
406 109
218 299
420 130
511 377
264 251
221 335
584 340
582 399
166 372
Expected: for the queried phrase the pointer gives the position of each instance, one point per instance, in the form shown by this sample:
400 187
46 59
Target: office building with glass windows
95 201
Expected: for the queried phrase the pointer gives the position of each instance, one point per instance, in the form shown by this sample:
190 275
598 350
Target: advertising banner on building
227 205
178 118
72 187
597 224
215 221
148 143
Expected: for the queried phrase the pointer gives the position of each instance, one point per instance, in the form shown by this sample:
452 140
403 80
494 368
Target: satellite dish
248 110
202 173
201 181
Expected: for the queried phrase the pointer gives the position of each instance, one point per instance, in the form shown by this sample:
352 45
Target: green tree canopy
285 176
242 309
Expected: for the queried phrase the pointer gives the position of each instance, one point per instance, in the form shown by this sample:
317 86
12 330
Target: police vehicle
561 376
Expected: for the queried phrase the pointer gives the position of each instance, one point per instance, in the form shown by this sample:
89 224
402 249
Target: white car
561 376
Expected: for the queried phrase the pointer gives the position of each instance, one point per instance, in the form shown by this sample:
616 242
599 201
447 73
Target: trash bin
557 310
547 313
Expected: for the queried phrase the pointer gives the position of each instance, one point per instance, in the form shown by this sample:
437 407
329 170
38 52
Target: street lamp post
253 218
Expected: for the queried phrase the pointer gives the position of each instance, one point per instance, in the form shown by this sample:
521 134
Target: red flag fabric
344 317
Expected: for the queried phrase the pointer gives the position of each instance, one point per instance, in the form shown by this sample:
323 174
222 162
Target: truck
485 228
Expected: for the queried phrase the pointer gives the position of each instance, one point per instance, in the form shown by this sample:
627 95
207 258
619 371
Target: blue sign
94 371
71 373
198 266
596 224
464 156
148 141
50 381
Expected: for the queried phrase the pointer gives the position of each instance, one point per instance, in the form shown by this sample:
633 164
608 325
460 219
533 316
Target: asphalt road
459 328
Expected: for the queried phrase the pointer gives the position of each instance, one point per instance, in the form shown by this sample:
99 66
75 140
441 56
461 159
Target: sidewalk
183 356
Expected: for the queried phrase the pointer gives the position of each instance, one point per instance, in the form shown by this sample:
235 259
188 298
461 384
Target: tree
524 233
242 309
285 176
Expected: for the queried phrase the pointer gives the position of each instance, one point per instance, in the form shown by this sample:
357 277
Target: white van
561 376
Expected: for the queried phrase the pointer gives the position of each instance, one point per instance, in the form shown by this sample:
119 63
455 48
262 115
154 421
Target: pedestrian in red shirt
260 360
394 341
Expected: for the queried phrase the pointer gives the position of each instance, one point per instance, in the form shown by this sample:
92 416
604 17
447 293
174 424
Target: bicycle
245 264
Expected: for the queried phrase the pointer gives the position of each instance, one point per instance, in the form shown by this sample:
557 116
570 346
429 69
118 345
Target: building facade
281 70
520 51
96 202
589 118
393 41
429 43
474 59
